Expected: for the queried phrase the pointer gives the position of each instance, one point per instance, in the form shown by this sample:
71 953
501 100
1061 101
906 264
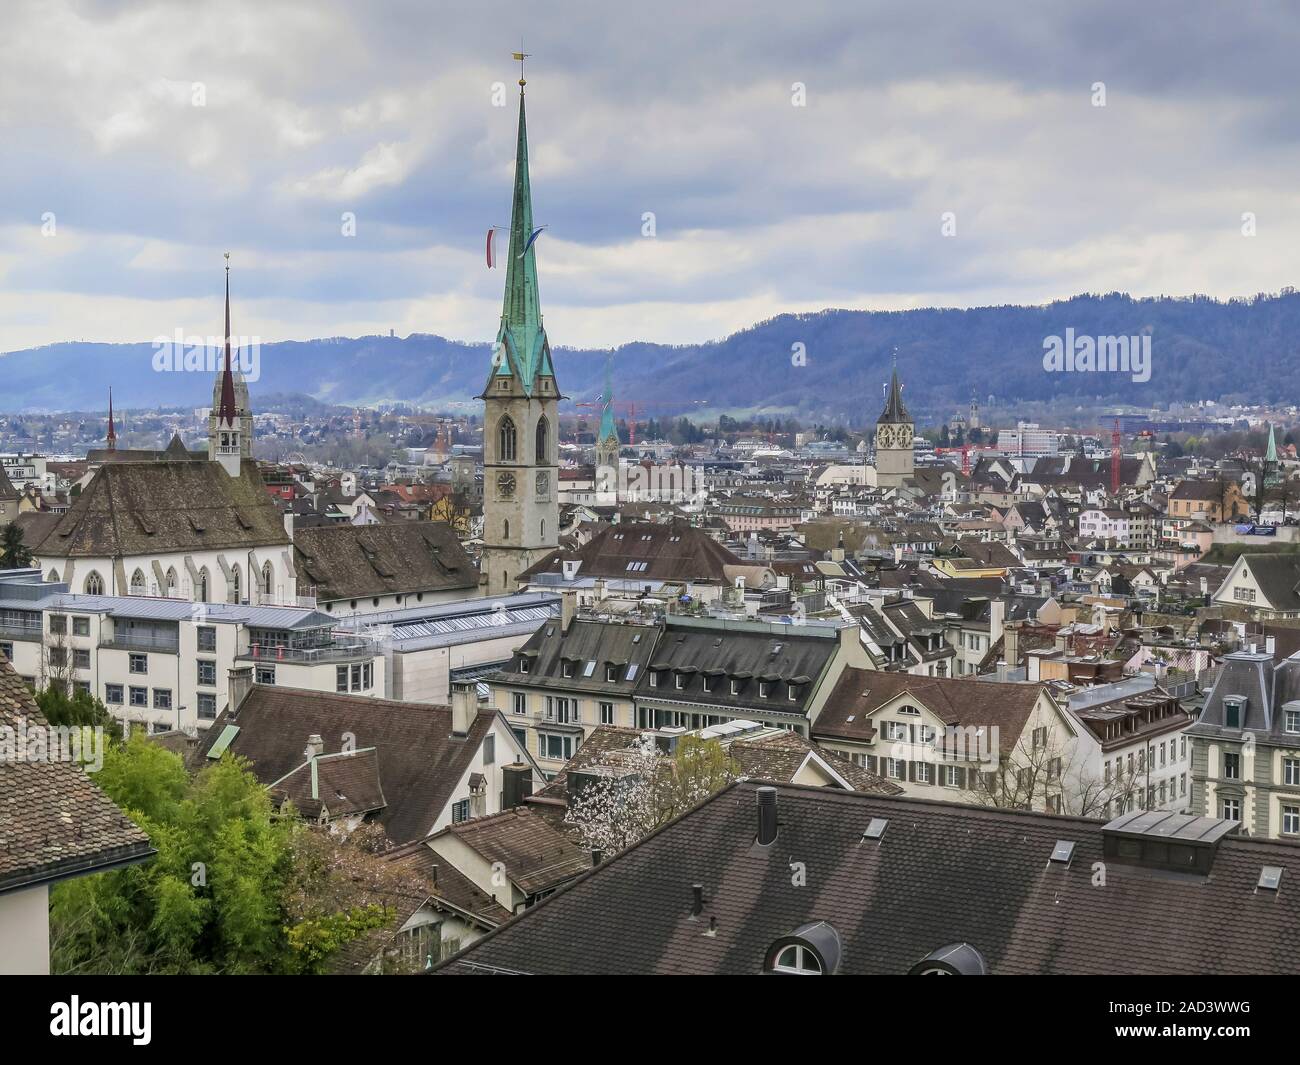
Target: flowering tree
641 788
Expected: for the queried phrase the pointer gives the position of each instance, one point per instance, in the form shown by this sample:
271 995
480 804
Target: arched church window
202 596
137 582
543 434
506 440
267 578
94 583
236 585
171 580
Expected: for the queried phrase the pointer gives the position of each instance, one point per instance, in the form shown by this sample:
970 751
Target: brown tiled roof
359 561
54 821
941 874
860 692
147 508
447 884
420 762
7 490
337 785
534 855
671 552
36 526
779 758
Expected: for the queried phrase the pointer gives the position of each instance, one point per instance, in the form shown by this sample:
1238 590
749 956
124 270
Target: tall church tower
230 424
895 458
521 510
607 444
238 401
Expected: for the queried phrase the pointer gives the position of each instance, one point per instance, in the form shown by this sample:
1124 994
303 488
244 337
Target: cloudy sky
118 194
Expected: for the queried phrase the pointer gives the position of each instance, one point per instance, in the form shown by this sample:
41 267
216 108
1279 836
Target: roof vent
1063 851
1161 840
876 828
1270 877
766 799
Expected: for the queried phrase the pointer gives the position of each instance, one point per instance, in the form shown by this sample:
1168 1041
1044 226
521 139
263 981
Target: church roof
356 561
151 508
895 412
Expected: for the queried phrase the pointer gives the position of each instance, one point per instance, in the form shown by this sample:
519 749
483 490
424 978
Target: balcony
340 651
20 630
141 641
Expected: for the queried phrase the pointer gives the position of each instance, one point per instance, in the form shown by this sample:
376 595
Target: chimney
1033 668
1270 644
516 784
239 683
464 707
997 615
1011 645
288 523
568 608
766 799
315 746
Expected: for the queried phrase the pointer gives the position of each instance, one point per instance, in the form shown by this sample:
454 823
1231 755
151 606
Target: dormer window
566 668
654 679
735 687
795 960
1292 721
794 692
762 689
680 679
611 672
523 664
1234 707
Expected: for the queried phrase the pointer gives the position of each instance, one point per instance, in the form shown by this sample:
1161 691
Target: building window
1290 820
797 961
138 663
81 626
611 672
606 713
171 580
553 746
460 811
162 699
1230 809
1291 772
268 579
207 673
1292 721
950 777
58 624
94 584
521 737
207 637
139 696
207 706
113 694
7 649
894 768
137 582
489 749
265 675
1232 766
924 773
203 585
80 658
506 440
543 435
236 584
520 702
341 678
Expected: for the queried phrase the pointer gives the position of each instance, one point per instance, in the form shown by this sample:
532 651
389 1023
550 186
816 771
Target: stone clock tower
521 511
895 458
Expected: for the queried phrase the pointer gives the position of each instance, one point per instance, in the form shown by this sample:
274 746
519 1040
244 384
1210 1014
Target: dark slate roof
778 758
534 855
1278 577
942 873
846 714
748 651
1266 687
36 526
7 490
627 647
358 561
895 412
420 762
671 552
54 821
139 508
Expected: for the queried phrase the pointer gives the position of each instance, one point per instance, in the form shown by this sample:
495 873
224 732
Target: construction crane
630 408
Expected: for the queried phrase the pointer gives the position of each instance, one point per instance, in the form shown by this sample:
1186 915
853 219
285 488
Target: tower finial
111 439
520 56
226 405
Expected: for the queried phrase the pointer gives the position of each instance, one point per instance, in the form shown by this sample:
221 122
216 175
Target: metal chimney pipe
766 797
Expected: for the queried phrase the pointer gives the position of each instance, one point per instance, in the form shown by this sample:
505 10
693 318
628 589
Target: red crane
630 408
1116 454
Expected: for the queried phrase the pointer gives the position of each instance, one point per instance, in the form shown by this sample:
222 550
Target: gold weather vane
520 56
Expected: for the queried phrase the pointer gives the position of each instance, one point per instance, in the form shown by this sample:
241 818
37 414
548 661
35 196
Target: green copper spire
522 338
1271 454
607 428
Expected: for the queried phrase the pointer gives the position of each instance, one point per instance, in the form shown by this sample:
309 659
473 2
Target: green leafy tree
14 554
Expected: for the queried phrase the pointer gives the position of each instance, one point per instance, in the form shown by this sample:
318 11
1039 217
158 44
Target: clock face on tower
506 485
543 484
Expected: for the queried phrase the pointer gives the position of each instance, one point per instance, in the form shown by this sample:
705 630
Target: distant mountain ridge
831 364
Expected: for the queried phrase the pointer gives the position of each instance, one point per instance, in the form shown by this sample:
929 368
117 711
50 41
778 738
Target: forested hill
828 364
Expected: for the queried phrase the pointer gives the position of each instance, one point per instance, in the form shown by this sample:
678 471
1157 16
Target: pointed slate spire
522 342
227 414
112 433
894 411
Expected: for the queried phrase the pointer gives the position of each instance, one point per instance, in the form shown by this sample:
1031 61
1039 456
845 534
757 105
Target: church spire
226 410
894 411
522 344
607 428
112 433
